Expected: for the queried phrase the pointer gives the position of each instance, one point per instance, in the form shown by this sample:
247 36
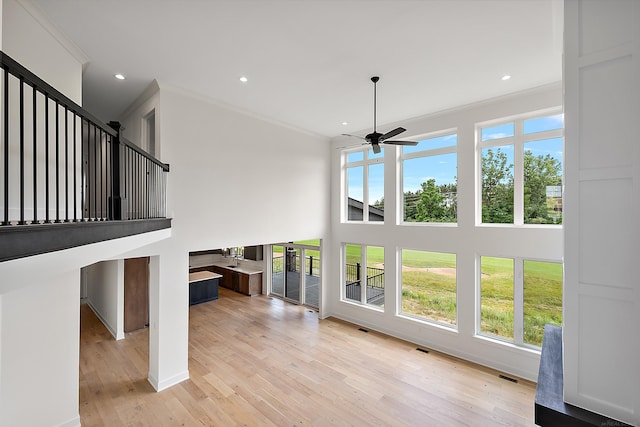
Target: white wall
602 286
40 352
105 294
133 119
235 180
28 38
39 331
466 240
238 180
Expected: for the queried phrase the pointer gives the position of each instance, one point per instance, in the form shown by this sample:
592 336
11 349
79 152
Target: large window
429 286
518 297
521 170
365 186
429 179
364 274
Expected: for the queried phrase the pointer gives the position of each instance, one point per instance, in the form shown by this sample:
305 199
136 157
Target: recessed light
506 77
119 76
344 123
243 79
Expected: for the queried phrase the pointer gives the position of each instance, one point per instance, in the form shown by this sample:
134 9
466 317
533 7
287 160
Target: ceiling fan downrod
374 79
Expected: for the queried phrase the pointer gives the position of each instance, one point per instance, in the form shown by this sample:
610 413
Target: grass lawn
429 290
427 293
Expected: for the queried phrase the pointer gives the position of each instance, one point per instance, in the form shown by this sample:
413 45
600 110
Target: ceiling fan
376 138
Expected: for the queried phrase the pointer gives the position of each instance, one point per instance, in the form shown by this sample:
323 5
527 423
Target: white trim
116 335
169 382
73 422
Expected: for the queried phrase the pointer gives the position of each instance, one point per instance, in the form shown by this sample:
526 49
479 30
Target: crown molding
37 14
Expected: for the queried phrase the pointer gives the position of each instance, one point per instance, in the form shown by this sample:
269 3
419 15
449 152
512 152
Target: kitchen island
240 278
203 286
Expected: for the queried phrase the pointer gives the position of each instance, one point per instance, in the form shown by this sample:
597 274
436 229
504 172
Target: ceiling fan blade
352 145
412 143
353 136
376 148
392 133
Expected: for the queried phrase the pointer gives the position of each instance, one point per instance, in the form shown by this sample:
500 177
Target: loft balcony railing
61 165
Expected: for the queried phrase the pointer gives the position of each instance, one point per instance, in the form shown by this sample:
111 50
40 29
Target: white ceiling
309 61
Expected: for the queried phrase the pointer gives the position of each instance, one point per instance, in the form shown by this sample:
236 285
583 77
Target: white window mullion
518 301
303 266
365 190
363 275
518 175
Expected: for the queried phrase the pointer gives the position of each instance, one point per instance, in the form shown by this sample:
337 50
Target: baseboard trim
73 422
104 322
169 382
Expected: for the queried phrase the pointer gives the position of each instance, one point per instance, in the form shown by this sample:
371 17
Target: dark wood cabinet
248 284
226 281
253 252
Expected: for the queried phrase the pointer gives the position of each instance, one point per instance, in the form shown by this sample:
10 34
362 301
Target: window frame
414 317
363 277
518 140
518 300
365 163
420 154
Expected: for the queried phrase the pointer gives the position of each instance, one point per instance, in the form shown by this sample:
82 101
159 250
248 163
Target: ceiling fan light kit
376 138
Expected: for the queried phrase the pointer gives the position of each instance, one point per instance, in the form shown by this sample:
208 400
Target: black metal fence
312 264
61 164
374 285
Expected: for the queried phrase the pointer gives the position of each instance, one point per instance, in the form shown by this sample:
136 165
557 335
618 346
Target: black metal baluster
75 170
99 182
132 171
125 182
146 188
57 221
140 187
6 148
85 198
115 182
35 160
154 180
66 164
21 222
89 173
95 174
108 169
136 175
47 220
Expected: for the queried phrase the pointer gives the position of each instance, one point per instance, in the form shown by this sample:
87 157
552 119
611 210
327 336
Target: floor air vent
504 377
362 330
422 350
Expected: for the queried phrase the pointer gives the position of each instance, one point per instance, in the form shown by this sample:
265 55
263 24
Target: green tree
539 172
430 205
497 187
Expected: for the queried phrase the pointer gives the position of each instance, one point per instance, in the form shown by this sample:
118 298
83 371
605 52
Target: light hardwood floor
258 361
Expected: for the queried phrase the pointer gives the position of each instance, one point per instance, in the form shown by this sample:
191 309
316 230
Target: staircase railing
61 164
